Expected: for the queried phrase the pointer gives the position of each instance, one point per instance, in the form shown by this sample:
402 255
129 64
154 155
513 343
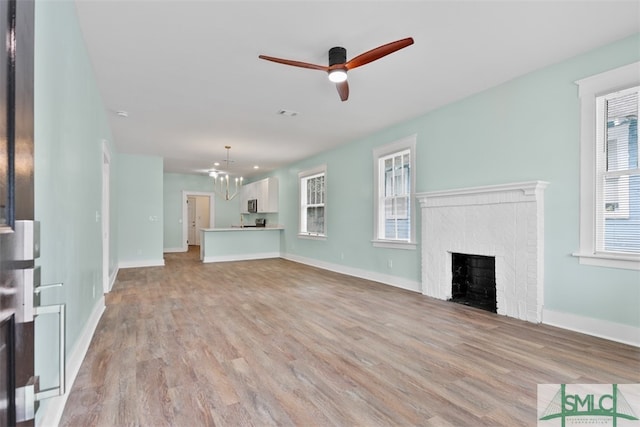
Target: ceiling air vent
287 113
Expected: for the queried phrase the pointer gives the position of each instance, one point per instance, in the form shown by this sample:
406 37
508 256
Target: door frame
106 226
185 214
19 234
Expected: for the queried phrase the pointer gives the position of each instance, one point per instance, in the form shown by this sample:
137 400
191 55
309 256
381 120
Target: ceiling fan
338 64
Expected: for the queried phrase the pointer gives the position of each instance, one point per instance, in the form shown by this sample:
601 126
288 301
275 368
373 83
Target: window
609 173
395 192
617 174
394 180
312 202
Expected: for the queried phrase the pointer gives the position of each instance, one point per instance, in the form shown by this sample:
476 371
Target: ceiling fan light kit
338 64
338 75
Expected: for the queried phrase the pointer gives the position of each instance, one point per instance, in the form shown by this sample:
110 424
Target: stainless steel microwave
252 205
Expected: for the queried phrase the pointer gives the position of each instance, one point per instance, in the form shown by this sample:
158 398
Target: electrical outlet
389 263
342 256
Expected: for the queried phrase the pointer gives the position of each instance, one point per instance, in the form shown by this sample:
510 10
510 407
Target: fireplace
474 281
505 222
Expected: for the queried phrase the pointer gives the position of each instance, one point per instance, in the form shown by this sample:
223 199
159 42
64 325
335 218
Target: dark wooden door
16 205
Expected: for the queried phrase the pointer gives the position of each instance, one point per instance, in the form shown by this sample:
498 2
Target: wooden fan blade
378 53
343 90
295 63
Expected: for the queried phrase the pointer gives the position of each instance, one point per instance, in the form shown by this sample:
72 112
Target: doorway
197 213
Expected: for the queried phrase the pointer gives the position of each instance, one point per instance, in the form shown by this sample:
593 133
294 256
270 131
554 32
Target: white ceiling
188 73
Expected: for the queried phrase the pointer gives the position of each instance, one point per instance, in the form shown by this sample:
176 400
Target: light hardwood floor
272 342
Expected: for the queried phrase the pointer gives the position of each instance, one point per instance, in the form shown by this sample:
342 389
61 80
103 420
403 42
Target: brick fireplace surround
504 221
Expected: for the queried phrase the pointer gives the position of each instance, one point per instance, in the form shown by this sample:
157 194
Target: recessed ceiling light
256 167
122 113
216 164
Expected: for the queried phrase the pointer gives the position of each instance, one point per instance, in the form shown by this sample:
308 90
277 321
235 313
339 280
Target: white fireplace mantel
502 193
504 221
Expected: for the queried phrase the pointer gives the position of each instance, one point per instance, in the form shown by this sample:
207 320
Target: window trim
321 169
406 143
589 89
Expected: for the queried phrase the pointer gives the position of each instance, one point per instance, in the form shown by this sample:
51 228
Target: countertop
245 228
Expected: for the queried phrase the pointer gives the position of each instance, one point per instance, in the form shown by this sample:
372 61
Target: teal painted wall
526 129
70 125
139 183
349 211
227 212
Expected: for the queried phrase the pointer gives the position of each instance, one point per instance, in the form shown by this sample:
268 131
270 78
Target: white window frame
591 88
408 143
302 212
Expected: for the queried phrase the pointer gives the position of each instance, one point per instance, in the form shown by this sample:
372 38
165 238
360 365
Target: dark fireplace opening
474 281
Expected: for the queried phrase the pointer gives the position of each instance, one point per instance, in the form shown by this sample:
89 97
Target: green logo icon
588 404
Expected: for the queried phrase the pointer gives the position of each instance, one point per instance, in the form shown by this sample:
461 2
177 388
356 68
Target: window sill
612 260
391 244
312 236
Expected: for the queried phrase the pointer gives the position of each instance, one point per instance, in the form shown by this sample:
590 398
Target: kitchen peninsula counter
237 243
243 228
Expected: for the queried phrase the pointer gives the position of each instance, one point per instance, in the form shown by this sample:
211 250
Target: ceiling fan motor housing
337 55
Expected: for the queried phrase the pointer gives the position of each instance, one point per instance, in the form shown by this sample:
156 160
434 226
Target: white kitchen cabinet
265 190
267 195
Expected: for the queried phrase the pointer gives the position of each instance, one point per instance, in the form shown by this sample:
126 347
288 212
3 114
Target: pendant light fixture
222 189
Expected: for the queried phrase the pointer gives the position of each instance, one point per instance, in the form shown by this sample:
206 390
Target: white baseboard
613 331
171 250
50 411
141 263
241 257
387 279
